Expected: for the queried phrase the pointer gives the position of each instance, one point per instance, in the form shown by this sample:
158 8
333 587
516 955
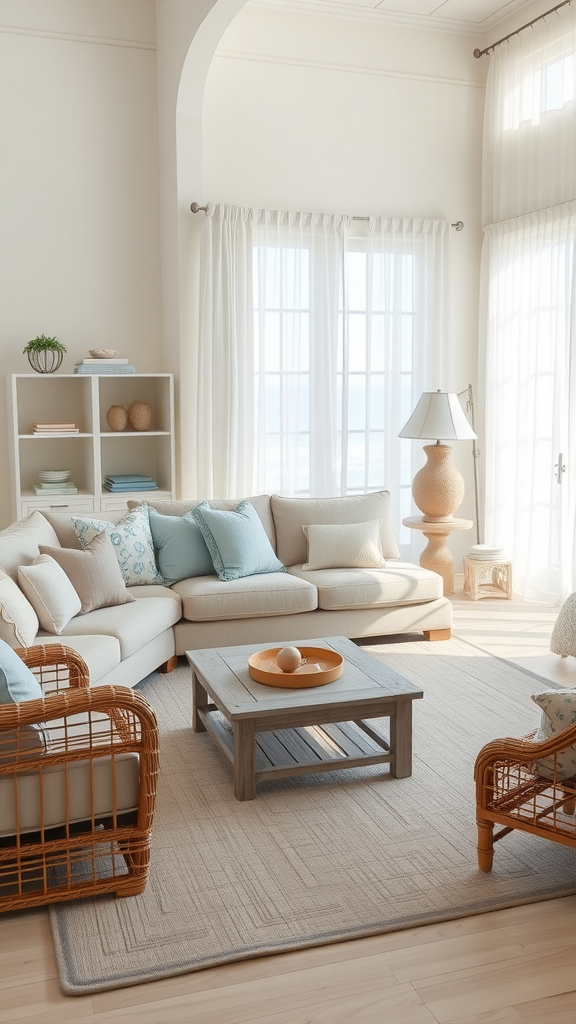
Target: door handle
560 468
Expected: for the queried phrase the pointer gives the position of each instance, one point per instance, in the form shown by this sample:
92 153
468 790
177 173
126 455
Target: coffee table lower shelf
304 750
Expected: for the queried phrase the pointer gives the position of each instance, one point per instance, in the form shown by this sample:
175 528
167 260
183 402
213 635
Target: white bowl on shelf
53 476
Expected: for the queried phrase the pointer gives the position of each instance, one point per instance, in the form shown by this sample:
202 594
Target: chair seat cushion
134 624
42 800
398 583
207 598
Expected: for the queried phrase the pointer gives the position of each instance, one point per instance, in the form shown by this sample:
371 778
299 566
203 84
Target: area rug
322 858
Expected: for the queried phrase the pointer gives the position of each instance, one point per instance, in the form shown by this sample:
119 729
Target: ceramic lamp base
438 488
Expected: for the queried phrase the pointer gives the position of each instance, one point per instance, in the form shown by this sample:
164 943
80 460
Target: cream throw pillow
50 593
18 620
351 546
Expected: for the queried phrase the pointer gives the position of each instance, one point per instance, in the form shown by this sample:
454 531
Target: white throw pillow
558 713
132 542
50 593
349 546
18 620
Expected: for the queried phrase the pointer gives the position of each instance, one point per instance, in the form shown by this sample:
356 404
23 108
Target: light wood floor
506 967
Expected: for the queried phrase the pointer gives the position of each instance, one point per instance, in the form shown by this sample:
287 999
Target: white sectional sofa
123 643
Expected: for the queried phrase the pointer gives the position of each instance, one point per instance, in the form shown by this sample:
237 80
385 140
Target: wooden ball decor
140 415
117 418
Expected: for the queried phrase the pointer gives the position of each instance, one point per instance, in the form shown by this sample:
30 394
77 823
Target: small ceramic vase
140 415
117 417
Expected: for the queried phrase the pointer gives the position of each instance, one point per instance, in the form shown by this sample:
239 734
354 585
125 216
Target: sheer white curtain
269 283
530 368
529 188
317 336
529 153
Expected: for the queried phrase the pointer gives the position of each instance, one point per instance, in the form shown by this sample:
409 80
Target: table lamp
438 488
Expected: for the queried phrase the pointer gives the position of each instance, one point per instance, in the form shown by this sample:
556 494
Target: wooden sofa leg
485 846
437 634
170 665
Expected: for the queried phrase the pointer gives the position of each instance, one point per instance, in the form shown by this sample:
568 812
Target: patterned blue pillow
132 542
237 541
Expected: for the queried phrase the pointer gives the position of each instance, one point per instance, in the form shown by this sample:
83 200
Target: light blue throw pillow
17 682
237 541
181 550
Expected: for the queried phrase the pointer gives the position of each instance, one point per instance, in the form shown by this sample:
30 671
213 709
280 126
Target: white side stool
487 579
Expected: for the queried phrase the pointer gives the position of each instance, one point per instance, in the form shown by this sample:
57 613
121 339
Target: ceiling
458 14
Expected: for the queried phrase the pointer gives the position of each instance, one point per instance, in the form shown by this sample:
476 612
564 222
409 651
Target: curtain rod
480 53
196 208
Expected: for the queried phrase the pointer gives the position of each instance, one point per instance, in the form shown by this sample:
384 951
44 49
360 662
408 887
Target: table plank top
224 673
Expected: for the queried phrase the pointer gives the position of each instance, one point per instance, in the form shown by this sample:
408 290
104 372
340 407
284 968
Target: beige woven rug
322 858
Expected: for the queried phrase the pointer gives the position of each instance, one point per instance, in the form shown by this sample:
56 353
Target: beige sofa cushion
18 620
94 791
100 652
134 624
20 542
291 514
206 598
93 572
261 503
398 583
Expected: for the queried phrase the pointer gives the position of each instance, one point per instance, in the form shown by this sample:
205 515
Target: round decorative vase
47 360
140 415
438 488
117 418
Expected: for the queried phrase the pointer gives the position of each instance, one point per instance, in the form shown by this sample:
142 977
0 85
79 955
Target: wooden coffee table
270 732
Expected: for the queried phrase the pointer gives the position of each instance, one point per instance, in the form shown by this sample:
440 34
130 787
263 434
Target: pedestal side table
436 555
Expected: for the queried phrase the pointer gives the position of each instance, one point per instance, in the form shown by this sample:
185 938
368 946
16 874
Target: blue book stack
129 482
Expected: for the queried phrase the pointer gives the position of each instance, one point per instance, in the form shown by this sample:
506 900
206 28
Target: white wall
320 113
79 192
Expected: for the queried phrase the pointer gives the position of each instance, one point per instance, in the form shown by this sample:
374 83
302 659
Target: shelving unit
96 450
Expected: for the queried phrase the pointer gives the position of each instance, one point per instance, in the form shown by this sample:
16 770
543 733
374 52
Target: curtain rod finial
477 53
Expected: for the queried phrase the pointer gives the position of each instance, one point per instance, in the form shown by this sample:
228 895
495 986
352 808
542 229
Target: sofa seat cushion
206 598
132 624
100 652
90 788
398 583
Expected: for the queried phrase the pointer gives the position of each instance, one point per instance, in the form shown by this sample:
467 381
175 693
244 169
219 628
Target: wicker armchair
78 774
511 793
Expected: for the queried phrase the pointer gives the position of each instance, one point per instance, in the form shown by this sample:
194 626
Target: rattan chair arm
520 752
44 659
106 699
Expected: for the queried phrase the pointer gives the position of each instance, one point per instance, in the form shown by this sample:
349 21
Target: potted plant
44 354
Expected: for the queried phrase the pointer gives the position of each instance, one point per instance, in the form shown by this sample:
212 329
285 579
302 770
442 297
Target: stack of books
47 490
104 366
129 482
47 429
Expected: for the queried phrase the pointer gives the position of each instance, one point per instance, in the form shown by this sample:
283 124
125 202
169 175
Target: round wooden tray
321 665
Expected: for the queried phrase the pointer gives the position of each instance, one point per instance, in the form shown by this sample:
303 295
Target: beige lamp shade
438 488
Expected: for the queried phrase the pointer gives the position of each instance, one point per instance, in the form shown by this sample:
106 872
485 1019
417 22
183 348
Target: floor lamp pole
475 454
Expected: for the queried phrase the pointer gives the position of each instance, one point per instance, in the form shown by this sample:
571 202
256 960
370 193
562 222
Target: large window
318 335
